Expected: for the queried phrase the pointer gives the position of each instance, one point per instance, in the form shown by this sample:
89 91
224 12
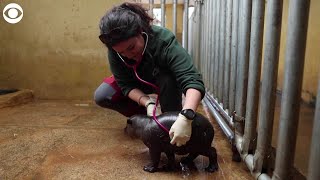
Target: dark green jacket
163 52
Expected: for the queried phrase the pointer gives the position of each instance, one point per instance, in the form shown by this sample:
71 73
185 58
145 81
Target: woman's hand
180 131
148 101
150 105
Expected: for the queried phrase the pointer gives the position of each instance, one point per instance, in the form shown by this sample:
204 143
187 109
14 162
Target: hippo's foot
185 169
150 168
212 168
168 167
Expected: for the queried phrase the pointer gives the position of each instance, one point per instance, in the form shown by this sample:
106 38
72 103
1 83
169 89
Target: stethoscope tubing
134 67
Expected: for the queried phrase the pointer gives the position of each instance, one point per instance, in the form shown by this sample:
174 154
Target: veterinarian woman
139 52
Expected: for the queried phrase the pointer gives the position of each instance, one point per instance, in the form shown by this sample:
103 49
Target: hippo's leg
155 159
170 166
213 164
186 162
189 159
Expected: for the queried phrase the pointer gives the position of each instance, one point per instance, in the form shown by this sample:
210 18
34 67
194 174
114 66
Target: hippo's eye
129 121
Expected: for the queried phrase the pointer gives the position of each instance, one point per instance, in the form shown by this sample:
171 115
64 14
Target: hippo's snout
131 129
129 123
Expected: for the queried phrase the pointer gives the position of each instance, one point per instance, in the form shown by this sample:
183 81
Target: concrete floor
78 140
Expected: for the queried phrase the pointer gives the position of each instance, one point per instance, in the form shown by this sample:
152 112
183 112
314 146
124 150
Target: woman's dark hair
122 22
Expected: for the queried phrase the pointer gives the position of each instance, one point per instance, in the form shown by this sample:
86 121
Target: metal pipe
244 45
163 13
151 3
227 55
208 34
248 160
212 44
185 24
204 41
290 105
199 11
203 37
264 176
216 112
210 54
197 34
225 128
221 49
200 25
191 35
314 159
174 29
220 109
256 39
216 50
234 51
269 81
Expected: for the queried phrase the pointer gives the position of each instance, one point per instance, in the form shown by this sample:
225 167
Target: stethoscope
146 82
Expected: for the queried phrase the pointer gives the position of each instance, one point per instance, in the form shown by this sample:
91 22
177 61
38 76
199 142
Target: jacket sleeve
122 74
181 64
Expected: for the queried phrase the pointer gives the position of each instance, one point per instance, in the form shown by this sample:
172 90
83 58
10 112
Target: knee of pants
104 95
102 101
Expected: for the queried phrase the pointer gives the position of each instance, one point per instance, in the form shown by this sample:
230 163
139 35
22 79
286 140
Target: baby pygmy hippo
158 140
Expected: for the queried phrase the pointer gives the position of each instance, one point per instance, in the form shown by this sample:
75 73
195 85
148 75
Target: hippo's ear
129 121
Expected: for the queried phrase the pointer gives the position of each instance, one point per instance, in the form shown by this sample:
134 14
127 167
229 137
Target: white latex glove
180 131
150 104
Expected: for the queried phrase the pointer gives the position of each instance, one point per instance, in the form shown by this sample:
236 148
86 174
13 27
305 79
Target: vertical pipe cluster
256 39
226 44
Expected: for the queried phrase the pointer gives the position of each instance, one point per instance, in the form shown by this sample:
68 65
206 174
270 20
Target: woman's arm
138 96
192 100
